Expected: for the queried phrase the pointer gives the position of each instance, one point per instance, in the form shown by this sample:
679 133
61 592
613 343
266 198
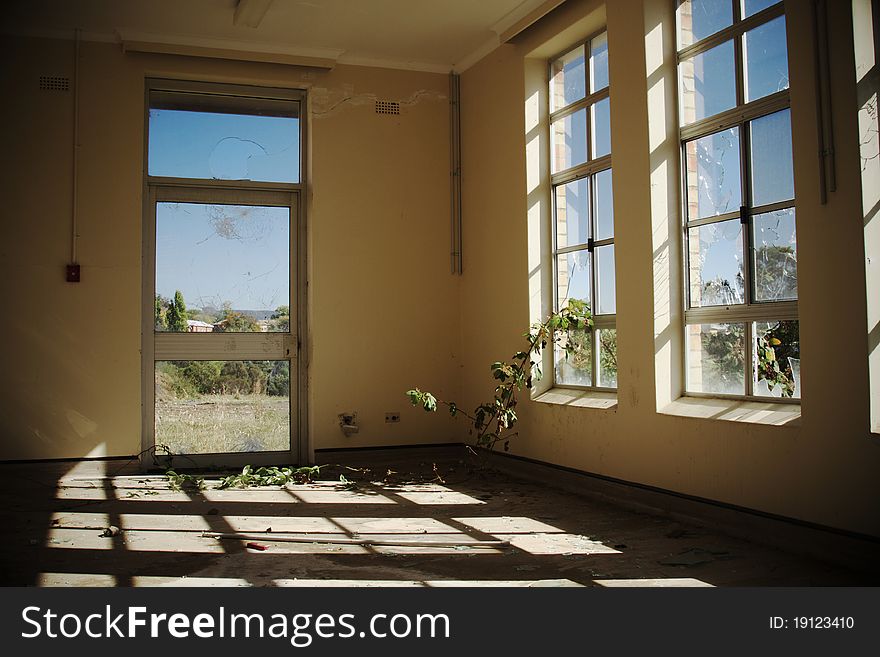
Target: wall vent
387 107
54 83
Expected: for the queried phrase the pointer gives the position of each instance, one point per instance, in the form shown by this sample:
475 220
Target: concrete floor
54 515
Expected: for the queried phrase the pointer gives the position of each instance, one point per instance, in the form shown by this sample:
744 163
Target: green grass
223 423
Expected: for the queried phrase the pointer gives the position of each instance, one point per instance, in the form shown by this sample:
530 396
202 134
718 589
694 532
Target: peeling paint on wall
328 102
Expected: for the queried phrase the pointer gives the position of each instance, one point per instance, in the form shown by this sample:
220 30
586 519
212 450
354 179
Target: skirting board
838 547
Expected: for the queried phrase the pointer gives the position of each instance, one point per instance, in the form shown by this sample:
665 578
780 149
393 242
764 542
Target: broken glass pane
222 268
775 253
716 358
573 277
716 267
572 213
766 60
713 175
777 359
575 365
223 139
607 358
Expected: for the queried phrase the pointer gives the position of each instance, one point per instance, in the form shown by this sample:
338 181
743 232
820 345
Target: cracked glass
222 268
216 138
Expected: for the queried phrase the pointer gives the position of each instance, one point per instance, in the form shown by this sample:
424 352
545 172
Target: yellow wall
821 467
386 314
384 308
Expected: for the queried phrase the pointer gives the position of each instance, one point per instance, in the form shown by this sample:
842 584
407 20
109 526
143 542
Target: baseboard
839 547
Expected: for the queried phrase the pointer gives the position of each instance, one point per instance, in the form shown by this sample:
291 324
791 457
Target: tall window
224 273
738 210
583 210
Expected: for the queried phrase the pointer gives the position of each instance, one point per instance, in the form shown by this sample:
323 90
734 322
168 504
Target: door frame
294 344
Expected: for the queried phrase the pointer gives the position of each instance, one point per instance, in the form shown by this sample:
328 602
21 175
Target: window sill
578 398
733 410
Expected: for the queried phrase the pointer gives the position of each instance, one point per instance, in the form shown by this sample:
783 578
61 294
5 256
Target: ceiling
429 35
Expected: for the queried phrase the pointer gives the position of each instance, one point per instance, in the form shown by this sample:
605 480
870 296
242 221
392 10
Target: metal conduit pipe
455 173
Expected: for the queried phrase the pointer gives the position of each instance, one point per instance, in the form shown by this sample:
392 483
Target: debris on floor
695 556
442 523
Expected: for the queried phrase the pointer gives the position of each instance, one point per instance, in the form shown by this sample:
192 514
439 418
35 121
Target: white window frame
293 345
738 117
588 170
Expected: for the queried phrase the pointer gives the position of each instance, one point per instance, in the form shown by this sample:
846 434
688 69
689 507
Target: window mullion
749 356
586 101
572 248
738 65
588 168
773 207
735 115
714 219
746 210
593 278
767 311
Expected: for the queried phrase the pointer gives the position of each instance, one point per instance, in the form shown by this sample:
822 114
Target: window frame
246 192
740 117
588 171
234 92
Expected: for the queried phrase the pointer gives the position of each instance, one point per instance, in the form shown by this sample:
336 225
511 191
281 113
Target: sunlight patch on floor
653 582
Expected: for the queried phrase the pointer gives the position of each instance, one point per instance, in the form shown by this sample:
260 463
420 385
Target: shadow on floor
464 525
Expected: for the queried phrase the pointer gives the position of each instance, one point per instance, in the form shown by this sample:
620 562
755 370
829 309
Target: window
741 316
223 273
219 136
583 210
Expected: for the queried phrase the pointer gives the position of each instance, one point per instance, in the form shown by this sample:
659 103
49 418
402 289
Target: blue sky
218 253
187 144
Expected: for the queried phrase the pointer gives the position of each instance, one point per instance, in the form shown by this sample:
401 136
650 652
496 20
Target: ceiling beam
249 13
243 51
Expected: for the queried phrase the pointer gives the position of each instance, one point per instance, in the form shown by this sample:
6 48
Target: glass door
223 286
224 336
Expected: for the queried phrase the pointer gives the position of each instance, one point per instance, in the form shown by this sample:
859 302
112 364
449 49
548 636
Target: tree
232 321
242 377
725 347
493 420
281 319
161 314
176 315
774 348
608 354
776 273
204 375
279 379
